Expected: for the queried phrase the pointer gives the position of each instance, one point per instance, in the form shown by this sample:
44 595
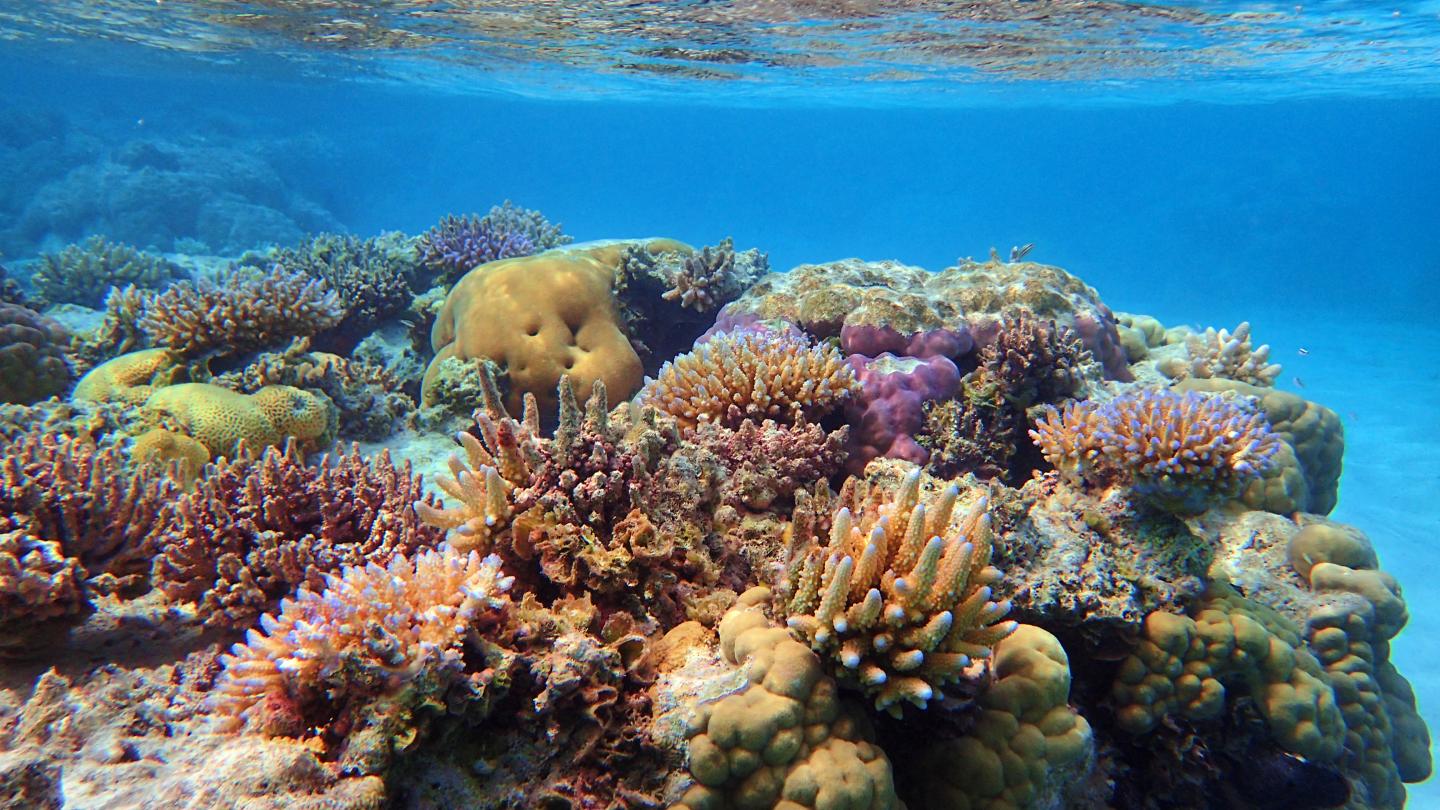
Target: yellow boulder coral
128 379
540 318
1025 733
163 447
220 418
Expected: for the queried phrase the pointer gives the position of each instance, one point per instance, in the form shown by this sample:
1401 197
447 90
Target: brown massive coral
251 312
32 356
254 530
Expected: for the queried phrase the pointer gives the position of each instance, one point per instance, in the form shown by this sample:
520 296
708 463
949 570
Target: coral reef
784 740
900 604
222 419
85 273
32 356
129 379
370 400
372 277
765 463
560 319
119 333
887 410
373 631
251 531
1179 452
457 245
254 311
1226 355
10 292
751 375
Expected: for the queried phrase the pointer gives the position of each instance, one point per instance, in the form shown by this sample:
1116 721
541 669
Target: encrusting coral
372 631
222 419
32 356
84 273
253 311
900 604
1180 452
785 741
1225 355
251 531
751 375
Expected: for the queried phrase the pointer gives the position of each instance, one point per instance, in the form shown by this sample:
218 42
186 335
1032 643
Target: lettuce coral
252 530
751 375
1179 452
254 311
371 628
898 602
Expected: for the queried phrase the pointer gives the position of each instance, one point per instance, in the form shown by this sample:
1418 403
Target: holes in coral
533 330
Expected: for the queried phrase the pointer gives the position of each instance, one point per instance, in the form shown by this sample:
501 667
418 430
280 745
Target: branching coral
766 462
751 375
784 741
1178 451
372 629
252 312
251 531
963 438
702 281
371 276
119 333
40 587
1029 362
84 273
458 244
32 356
900 604
1226 355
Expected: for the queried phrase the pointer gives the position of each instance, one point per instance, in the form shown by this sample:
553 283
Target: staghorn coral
1179 452
457 245
222 419
784 740
702 281
751 375
373 630
84 273
1226 355
898 603
32 356
371 276
254 529
1027 745
369 399
558 317
253 311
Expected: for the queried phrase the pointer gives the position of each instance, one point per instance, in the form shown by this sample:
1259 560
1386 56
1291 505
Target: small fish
1019 253
1304 352
1299 383
407 324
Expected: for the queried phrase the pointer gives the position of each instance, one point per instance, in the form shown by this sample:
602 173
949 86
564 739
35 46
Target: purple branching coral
252 312
255 529
765 463
459 244
371 631
1179 452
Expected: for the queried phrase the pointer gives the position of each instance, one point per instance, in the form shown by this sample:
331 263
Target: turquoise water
1204 162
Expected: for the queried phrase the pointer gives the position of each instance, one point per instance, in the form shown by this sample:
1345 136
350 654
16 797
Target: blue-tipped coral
459 244
1179 452
371 630
902 605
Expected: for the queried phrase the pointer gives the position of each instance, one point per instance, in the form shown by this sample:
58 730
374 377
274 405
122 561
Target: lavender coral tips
458 245
751 375
370 625
1179 452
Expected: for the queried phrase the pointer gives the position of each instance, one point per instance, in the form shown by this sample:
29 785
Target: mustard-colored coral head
306 415
541 318
162 447
220 418
128 379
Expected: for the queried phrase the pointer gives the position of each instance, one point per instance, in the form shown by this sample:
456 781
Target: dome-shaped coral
32 356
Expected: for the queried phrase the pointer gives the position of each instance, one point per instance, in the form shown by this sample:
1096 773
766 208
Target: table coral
784 741
252 530
253 311
540 318
900 604
1179 452
1026 745
372 630
32 355
84 273
751 375
222 419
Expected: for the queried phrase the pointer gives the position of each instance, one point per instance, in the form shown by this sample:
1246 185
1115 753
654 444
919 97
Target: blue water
1283 170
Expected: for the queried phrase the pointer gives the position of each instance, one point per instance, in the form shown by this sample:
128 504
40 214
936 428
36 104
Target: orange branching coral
1179 451
751 375
203 318
371 628
899 605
